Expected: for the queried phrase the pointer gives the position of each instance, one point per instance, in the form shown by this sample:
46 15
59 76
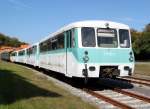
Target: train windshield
124 38
107 38
88 37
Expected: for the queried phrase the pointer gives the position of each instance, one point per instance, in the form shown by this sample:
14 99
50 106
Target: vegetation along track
136 80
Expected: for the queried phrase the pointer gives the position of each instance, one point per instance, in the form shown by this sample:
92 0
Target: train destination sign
105 32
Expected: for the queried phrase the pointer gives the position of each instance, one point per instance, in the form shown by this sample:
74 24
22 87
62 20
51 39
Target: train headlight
86 58
131 59
92 68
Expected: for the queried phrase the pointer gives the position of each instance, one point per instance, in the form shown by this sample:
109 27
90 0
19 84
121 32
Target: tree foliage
9 41
141 43
147 28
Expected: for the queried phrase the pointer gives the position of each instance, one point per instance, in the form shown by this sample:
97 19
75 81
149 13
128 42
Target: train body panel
55 61
31 60
100 57
104 55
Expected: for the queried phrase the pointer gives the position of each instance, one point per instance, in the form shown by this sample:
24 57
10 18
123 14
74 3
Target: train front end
104 51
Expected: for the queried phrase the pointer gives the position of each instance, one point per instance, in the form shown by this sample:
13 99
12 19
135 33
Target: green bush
141 46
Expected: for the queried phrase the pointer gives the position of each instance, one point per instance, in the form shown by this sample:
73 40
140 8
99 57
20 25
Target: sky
32 20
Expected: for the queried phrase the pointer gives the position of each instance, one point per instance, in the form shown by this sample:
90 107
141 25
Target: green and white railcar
90 49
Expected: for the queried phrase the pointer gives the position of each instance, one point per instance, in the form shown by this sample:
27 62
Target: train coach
5 55
85 49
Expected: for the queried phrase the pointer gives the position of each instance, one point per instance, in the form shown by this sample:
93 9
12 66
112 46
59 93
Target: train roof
96 23
89 23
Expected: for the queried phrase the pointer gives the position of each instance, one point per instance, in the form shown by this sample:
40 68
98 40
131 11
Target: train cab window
124 38
107 38
88 37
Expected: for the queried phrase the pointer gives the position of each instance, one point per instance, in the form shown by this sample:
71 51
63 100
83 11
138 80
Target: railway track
117 98
121 98
114 98
136 80
139 79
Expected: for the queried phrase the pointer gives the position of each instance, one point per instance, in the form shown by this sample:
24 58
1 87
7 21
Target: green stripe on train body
103 55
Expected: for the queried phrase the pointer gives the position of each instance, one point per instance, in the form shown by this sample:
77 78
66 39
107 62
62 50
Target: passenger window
49 45
54 44
43 46
61 41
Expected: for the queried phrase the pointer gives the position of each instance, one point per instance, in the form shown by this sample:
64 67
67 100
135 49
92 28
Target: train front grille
109 71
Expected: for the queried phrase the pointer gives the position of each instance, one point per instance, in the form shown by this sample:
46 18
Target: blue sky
32 20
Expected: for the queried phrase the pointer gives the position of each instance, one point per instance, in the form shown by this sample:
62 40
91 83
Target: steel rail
129 93
134 81
108 99
141 79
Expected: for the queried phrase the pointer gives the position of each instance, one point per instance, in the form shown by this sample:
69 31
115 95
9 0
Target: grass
21 88
142 68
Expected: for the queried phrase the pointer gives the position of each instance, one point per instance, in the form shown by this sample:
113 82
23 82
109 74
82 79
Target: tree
8 41
147 28
134 34
141 46
141 43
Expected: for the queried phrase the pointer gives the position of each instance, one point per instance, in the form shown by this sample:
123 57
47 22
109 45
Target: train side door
68 50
